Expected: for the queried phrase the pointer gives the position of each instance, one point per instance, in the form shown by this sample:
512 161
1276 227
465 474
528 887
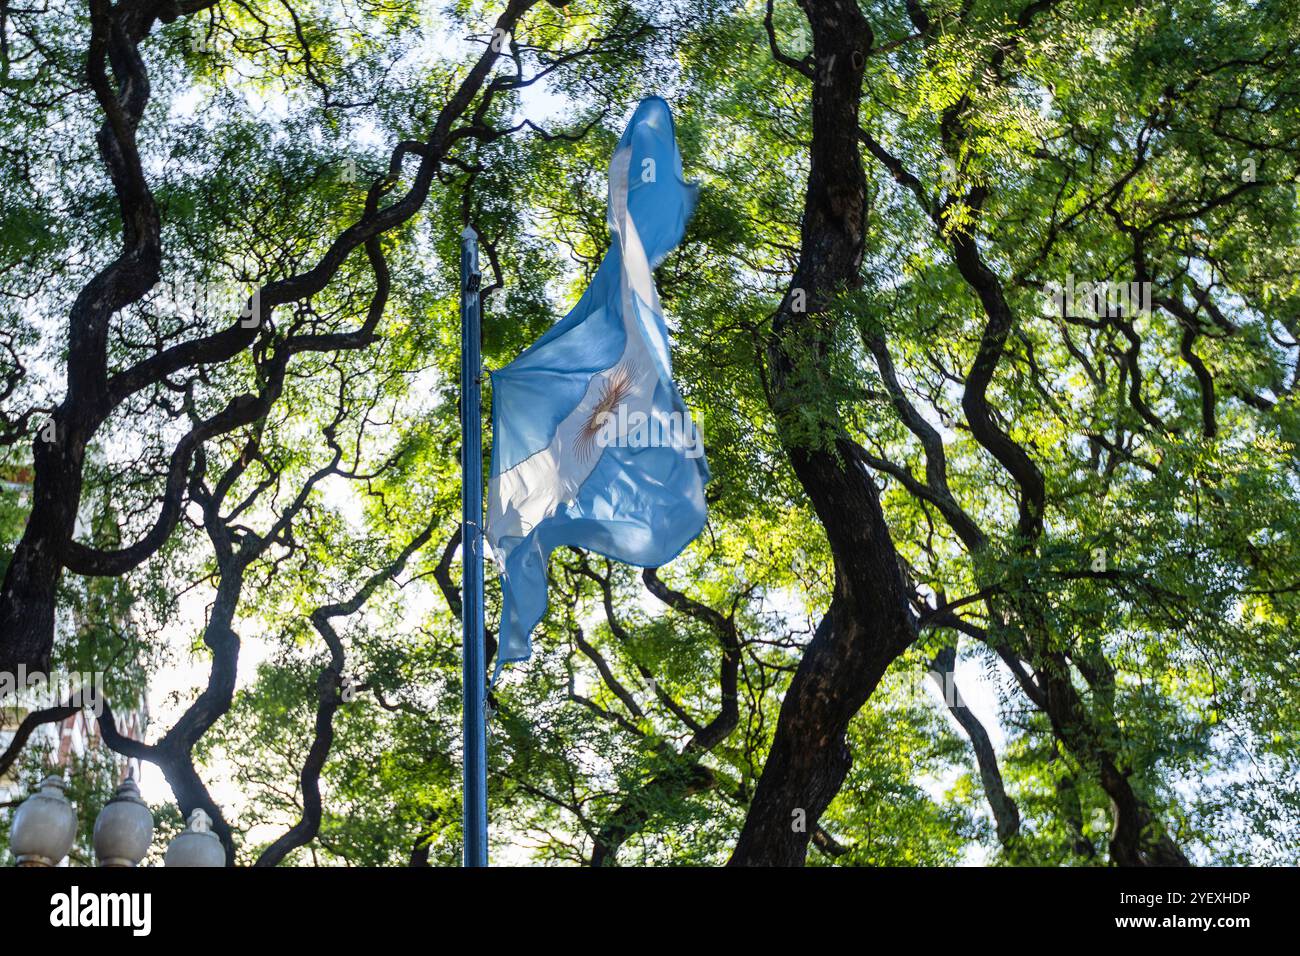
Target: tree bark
1006 815
869 622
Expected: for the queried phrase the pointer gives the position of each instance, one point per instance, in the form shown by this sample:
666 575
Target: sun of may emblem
616 388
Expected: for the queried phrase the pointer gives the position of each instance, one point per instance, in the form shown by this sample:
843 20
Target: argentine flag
592 444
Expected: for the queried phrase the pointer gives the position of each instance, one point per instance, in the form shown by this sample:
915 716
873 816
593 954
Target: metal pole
474 673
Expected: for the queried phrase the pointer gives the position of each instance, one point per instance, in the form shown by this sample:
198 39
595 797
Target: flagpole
474 663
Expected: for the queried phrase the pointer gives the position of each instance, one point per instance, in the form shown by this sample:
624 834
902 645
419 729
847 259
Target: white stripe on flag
525 495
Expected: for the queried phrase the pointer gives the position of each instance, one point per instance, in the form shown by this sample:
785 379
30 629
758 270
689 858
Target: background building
75 740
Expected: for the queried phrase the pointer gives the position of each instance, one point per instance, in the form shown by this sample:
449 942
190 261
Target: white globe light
44 827
197 845
124 828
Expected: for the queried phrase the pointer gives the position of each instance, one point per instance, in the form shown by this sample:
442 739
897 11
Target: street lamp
124 828
197 845
44 827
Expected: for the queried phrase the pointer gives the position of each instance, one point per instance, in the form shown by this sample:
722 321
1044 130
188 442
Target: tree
948 444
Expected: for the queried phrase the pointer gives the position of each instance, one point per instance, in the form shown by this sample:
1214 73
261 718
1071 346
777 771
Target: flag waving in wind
592 444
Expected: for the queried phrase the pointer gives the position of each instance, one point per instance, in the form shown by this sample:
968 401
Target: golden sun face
616 388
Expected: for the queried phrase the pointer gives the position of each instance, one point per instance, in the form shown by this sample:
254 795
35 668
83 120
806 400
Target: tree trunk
869 622
1006 815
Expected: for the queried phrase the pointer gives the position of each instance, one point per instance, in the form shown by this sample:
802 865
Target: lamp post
124 828
197 845
44 827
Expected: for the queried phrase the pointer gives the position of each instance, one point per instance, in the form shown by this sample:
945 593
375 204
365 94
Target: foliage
1093 141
